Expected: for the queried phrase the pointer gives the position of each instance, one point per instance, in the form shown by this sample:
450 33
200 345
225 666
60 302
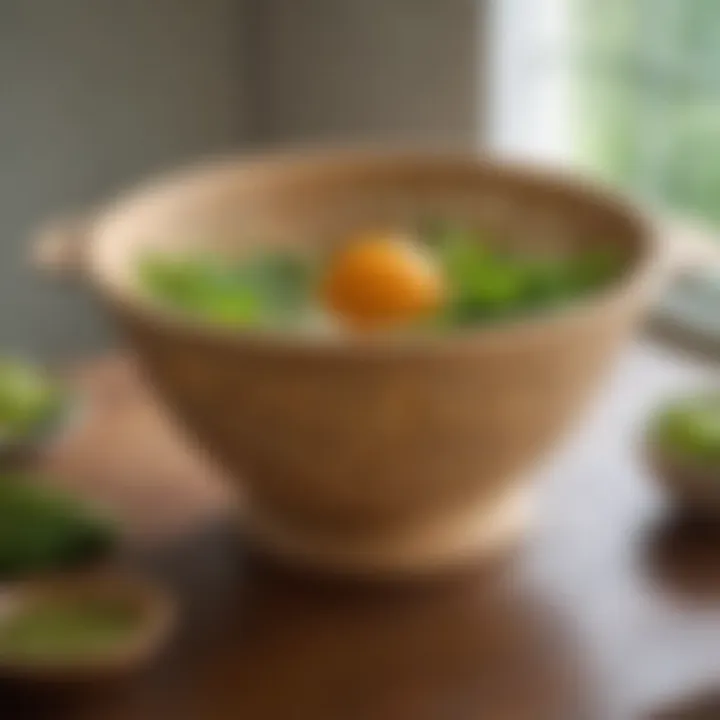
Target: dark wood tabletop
610 610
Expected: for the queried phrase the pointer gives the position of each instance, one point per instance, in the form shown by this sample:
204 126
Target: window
628 90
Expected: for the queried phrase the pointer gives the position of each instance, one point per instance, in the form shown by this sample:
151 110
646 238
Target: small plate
156 619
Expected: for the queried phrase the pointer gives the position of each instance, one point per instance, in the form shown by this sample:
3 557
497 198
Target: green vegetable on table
29 399
43 529
690 429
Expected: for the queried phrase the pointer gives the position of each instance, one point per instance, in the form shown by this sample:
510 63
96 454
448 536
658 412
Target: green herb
42 529
266 287
691 428
489 284
29 399
65 629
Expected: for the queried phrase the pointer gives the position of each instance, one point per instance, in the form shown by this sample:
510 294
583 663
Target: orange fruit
382 279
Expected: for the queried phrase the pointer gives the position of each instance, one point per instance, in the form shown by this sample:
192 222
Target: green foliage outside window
648 86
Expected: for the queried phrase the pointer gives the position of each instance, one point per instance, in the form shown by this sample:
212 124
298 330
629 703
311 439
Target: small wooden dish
156 619
695 487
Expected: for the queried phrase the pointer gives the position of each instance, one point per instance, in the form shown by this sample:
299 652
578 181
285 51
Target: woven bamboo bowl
370 453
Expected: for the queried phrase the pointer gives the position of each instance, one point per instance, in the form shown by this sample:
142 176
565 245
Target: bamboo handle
61 247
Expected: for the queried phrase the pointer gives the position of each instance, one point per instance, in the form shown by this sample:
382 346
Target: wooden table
611 611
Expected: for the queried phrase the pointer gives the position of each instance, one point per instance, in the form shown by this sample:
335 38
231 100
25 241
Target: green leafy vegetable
43 529
276 287
263 288
489 284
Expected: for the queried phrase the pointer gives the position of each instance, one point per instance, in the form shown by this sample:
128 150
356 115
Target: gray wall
379 70
93 95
